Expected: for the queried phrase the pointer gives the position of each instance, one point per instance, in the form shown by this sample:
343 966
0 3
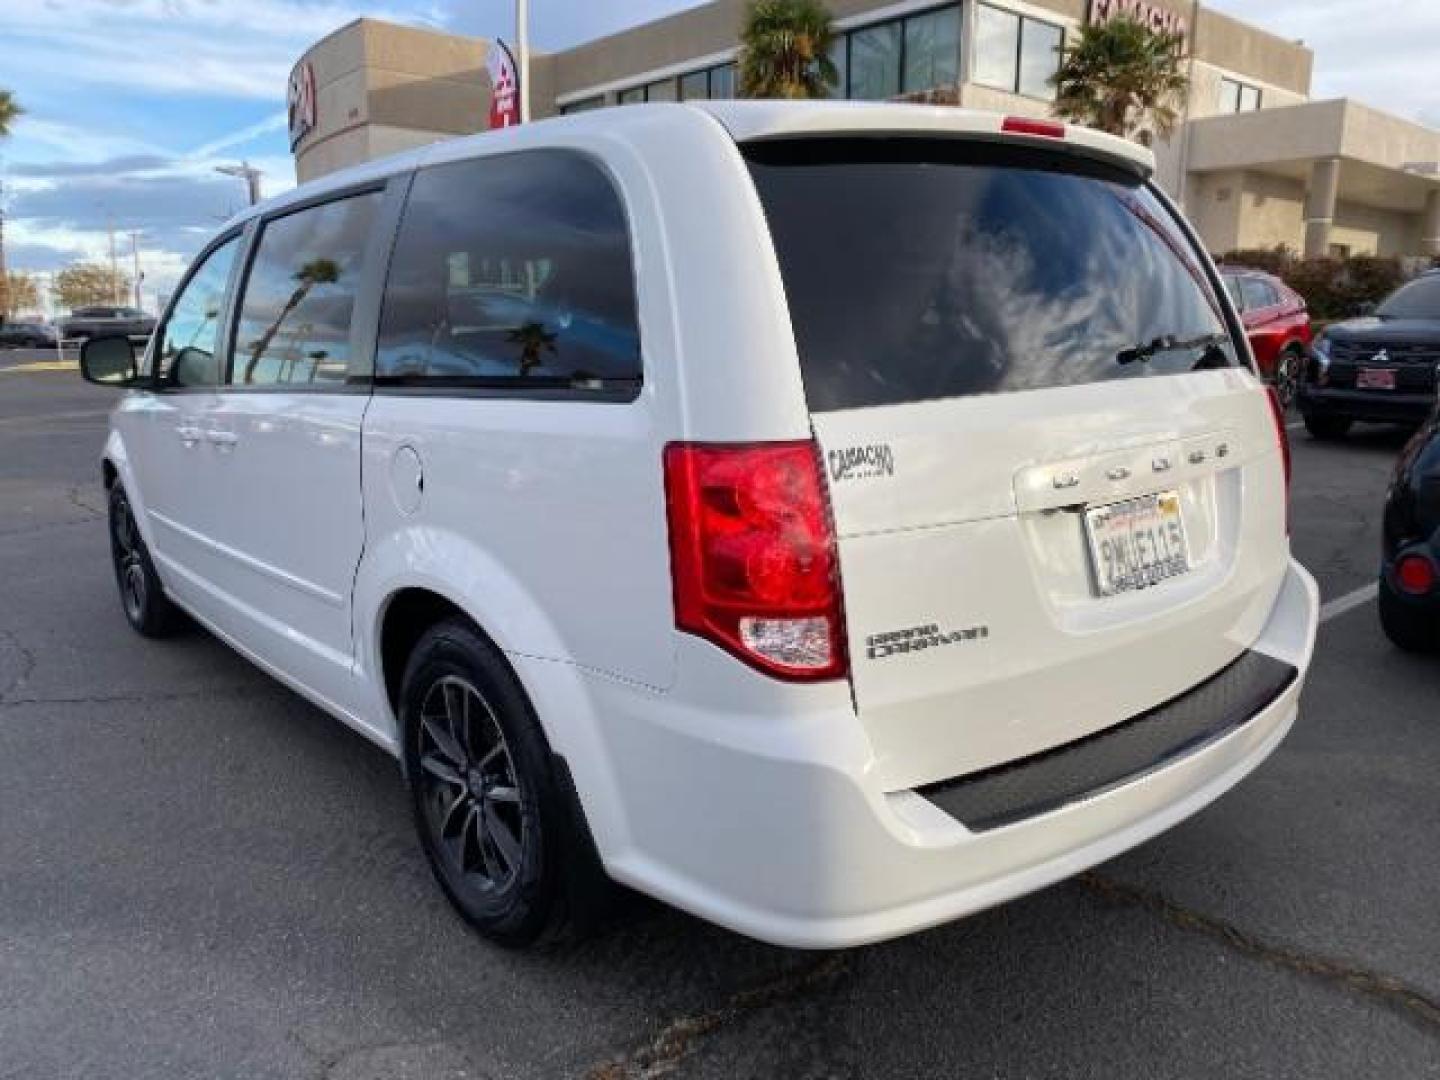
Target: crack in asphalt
1393 992
27 666
678 1039
135 697
74 494
326 1063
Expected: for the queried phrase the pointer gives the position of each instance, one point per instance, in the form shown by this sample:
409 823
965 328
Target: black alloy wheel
148 610
495 809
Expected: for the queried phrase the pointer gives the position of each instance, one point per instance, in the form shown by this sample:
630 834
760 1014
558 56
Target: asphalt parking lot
202 876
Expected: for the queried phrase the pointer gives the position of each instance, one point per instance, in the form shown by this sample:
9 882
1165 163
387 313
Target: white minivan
829 518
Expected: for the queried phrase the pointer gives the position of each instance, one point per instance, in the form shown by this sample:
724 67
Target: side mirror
109 361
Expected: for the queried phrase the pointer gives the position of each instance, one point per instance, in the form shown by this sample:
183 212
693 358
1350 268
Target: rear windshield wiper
1143 352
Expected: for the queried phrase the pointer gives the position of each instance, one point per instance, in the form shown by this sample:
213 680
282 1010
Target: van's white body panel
782 810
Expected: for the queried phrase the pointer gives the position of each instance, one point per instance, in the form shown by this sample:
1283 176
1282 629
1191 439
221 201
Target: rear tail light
752 553
1415 574
1278 412
1024 125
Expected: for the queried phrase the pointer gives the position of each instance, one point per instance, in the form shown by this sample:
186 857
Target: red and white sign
1156 16
504 87
300 102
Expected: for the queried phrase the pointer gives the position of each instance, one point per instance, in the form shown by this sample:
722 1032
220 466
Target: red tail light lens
752 552
1284 436
1415 575
1024 125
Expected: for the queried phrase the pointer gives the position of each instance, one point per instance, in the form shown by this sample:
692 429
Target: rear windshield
918 269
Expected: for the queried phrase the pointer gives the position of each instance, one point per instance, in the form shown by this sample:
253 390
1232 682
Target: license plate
1375 378
1137 543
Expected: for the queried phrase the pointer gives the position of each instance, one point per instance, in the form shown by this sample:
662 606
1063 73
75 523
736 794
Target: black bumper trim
1118 755
1378 406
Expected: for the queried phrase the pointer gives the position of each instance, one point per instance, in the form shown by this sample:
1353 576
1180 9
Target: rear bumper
788 839
1379 406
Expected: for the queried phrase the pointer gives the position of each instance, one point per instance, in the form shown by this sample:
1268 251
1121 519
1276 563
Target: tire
1286 378
497 817
1410 626
1327 428
147 609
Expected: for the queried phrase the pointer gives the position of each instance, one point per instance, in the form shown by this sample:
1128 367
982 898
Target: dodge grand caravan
832 519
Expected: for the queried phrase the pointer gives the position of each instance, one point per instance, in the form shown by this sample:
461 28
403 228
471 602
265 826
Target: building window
633 95
932 50
1016 53
714 83
903 56
1238 97
583 105
875 62
661 90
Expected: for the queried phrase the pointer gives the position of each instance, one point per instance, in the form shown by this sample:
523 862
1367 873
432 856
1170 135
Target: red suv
1277 323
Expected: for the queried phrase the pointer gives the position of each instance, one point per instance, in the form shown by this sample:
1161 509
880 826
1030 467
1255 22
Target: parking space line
1351 600
42 365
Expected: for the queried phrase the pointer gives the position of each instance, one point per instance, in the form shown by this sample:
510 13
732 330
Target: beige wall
1245 49
1214 209
381 88
1369 230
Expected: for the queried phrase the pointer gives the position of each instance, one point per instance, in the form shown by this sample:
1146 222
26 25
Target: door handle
189 434
222 439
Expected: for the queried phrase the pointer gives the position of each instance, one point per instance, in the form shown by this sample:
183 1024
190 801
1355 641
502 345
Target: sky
131 104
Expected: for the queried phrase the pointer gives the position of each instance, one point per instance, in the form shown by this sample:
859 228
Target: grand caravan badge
861 462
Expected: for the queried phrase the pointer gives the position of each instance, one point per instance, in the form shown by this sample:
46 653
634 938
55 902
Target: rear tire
147 609
1327 428
1409 626
498 822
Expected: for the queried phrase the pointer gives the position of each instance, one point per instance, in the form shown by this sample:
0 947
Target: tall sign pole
522 41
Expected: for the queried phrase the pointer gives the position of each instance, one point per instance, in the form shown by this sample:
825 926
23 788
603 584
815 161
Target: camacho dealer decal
861 462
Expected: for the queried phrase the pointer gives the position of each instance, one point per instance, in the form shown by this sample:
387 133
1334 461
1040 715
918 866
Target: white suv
832 519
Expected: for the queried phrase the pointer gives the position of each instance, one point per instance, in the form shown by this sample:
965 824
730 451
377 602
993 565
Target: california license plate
1375 378
1137 543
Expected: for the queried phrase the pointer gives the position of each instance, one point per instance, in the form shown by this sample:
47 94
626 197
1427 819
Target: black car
1382 367
26 335
88 322
1410 568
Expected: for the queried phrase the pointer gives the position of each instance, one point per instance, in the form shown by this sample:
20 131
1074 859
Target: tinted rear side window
917 269
512 272
1418 300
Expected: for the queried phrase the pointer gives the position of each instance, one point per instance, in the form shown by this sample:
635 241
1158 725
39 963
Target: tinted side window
1232 286
187 350
512 271
299 295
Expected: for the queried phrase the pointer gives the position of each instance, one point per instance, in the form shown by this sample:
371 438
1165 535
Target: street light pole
247 172
522 44
135 258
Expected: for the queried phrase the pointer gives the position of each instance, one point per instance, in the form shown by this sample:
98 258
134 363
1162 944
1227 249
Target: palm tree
785 50
315 272
1122 77
10 111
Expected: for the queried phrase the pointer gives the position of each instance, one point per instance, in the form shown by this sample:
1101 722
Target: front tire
496 821
1286 378
1410 627
1327 428
147 609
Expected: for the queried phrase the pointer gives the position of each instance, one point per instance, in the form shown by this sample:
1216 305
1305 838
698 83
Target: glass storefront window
583 105
1016 53
997 44
722 81
837 57
695 85
633 96
1040 45
875 62
661 90
932 50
